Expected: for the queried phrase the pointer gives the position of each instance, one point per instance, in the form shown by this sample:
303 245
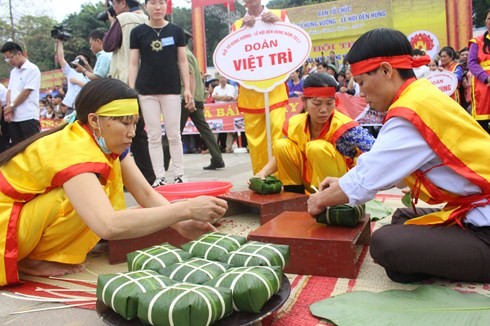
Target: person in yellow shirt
251 103
62 190
317 143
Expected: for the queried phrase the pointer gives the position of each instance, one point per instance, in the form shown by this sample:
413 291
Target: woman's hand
206 208
191 229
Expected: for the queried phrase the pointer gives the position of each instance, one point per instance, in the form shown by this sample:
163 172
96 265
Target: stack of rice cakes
206 280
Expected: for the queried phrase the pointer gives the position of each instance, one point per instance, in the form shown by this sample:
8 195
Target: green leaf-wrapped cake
185 305
255 253
251 287
214 244
156 257
195 270
120 291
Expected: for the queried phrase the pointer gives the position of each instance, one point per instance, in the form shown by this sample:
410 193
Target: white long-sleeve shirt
398 151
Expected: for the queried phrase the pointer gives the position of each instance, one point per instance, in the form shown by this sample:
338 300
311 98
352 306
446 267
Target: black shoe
214 166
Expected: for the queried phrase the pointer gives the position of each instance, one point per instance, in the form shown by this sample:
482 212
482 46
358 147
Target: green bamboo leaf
427 305
407 199
377 210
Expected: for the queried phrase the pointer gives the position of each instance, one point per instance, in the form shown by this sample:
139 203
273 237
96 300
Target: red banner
225 117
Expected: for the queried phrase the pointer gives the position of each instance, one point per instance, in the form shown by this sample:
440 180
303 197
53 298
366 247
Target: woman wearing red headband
432 144
319 142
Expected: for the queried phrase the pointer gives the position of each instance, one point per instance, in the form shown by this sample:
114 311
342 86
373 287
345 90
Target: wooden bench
316 249
266 206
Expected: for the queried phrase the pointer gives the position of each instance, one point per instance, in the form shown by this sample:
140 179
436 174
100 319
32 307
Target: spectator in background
128 16
342 88
332 60
465 88
75 79
4 133
211 85
223 93
295 84
21 109
58 109
332 70
103 63
157 66
42 108
422 71
449 62
433 65
321 67
478 58
352 87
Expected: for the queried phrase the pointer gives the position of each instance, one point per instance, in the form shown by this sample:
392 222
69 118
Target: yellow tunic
458 141
252 105
37 221
303 160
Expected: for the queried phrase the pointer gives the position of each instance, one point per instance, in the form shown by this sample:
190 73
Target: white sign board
446 81
262 57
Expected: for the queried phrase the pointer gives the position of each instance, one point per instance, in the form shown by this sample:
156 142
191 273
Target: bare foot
47 268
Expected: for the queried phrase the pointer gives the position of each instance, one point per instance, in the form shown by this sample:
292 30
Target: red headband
399 61
324 91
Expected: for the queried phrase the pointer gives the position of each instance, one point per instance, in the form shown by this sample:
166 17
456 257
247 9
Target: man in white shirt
224 92
22 101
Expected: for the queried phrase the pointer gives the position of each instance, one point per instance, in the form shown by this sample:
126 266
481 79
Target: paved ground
237 171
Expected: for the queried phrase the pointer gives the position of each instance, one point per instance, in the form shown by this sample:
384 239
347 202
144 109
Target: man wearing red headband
318 143
422 145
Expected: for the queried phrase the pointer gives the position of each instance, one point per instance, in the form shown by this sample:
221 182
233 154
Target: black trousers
412 253
202 126
22 130
139 149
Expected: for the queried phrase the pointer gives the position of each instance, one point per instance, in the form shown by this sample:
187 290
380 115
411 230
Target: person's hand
270 18
261 175
188 97
315 204
206 208
8 113
343 89
488 81
327 182
248 21
191 229
190 106
79 68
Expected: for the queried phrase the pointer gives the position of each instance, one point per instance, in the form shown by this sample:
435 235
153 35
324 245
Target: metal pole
268 126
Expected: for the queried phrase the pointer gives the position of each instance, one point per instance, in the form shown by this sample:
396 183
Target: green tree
480 7
80 25
34 35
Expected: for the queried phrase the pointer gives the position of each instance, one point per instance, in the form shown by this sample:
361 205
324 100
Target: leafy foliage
480 7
